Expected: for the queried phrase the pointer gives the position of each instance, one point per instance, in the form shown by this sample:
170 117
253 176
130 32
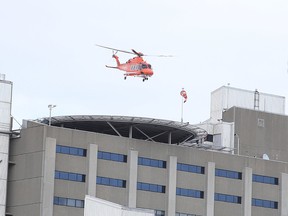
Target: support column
4 148
210 189
92 170
247 195
172 180
131 132
284 192
133 170
48 176
169 138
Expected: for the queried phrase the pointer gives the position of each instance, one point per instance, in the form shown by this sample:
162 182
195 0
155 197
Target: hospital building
233 163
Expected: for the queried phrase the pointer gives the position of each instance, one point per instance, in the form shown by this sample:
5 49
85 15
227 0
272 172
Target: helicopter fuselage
134 67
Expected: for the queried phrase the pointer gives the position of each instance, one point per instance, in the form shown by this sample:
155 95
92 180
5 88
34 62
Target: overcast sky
47 49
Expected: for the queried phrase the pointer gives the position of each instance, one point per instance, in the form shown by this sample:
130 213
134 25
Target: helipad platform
149 129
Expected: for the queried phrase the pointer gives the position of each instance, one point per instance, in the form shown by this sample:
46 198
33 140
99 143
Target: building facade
56 166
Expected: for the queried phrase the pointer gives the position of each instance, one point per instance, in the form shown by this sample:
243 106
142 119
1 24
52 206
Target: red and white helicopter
135 67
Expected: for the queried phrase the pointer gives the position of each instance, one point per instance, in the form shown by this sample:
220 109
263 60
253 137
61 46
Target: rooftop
149 129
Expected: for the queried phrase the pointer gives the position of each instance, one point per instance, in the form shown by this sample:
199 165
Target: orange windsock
184 94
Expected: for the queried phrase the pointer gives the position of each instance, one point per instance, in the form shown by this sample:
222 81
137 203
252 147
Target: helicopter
135 66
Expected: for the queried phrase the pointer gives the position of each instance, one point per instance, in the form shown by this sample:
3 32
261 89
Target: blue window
71 150
71 202
112 156
68 202
265 179
185 214
111 182
228 174
69 176
227 198
151 162
264 203
79 204
189 193
190 168
72 176
63 175
60 201
150 187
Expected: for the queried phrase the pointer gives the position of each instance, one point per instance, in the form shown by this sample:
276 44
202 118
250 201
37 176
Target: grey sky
47 48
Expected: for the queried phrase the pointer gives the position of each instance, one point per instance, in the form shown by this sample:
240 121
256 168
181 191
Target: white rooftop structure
226 97
5 130
99 207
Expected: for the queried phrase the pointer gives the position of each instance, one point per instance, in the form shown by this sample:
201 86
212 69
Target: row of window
237 199
184 214
153 188
71 150
227 198
69 176
228 174
150 187
112 156
264 203
238 175
111 182
218 197
190 168
68 202
265 179
189 193
151 162
162 164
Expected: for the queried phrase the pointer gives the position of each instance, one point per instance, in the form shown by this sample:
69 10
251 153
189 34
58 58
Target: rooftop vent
2 76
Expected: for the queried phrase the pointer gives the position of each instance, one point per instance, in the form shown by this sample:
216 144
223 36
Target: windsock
184 94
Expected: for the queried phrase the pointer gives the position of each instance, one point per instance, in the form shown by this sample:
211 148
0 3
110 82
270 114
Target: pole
50 106
238 143
182 110
50 110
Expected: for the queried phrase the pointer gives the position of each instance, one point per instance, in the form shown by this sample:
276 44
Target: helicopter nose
148 72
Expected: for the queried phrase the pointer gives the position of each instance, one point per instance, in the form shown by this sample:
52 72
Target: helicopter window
149 66
144 66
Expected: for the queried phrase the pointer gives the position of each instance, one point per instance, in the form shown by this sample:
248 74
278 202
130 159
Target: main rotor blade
124 51
161 56
134 52
141 54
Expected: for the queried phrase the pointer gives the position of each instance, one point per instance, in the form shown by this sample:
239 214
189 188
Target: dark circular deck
150 129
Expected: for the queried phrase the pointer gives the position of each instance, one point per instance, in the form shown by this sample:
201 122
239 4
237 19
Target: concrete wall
260 133
5 129
27 179
31 178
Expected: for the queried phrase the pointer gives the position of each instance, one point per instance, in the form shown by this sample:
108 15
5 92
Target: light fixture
50 106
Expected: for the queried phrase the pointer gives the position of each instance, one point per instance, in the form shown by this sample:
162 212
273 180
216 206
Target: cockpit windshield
144 66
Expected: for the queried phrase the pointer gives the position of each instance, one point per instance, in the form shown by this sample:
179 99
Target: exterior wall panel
146 199
260 133
5 129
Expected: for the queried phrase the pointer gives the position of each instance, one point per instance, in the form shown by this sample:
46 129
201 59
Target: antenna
256 99
265 157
